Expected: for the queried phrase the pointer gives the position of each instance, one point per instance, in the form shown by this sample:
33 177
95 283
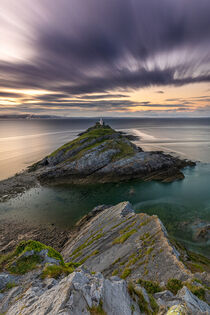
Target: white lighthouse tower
101 122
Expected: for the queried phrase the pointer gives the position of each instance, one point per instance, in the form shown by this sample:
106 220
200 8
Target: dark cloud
9 94
102 96
83 47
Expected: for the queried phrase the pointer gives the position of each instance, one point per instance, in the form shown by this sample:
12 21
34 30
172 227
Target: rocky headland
117 263
100 154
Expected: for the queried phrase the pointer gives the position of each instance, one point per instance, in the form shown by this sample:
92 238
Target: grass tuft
126 272
8 286
124 237
36 246
198 291
54 271
150 286
97 310
25 264
174 285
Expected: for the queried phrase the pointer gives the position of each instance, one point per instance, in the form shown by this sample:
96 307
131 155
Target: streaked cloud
96 54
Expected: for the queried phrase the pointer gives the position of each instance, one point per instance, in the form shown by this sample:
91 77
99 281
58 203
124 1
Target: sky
134 58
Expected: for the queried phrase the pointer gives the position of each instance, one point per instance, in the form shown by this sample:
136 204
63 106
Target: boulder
194 304
79 293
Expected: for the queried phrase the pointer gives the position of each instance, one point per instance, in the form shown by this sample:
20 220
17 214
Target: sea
183 206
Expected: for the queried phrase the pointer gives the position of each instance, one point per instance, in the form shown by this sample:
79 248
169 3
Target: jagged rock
76 294
194 304
166 294
178 309
9 298
120 242
112 238
5 278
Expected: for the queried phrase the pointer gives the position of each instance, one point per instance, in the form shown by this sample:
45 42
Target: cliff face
119 263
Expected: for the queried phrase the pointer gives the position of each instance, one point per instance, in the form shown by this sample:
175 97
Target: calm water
183 206
23 142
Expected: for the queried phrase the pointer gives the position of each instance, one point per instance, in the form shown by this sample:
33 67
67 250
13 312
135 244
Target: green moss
115 272
142 303
132 308
132 261
5 259
126 150
198 291
116 225
153 304
25 264
72 264
141 263
174 285
127 228
55 271
116 261
144 236
18 264
150 286
196 267
87 243
130 288
84 151
144 223
97 310
195 262
149 250
95 252
124 237
126 272
89 135
36 246
201 282
8 286
197 280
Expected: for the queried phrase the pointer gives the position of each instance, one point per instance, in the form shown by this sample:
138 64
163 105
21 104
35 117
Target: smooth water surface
23 142
183 206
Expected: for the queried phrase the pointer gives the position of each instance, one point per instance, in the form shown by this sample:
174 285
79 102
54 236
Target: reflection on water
183 206
24 142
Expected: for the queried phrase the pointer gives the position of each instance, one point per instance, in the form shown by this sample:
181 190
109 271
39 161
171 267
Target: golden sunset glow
53 63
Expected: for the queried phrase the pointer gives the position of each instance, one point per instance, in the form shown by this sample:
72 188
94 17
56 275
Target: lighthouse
101 122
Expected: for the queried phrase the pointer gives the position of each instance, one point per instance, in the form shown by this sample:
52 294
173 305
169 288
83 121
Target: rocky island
100 154
118 263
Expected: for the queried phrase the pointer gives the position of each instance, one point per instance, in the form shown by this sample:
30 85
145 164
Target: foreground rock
118 241
84 293
100 154
120 263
